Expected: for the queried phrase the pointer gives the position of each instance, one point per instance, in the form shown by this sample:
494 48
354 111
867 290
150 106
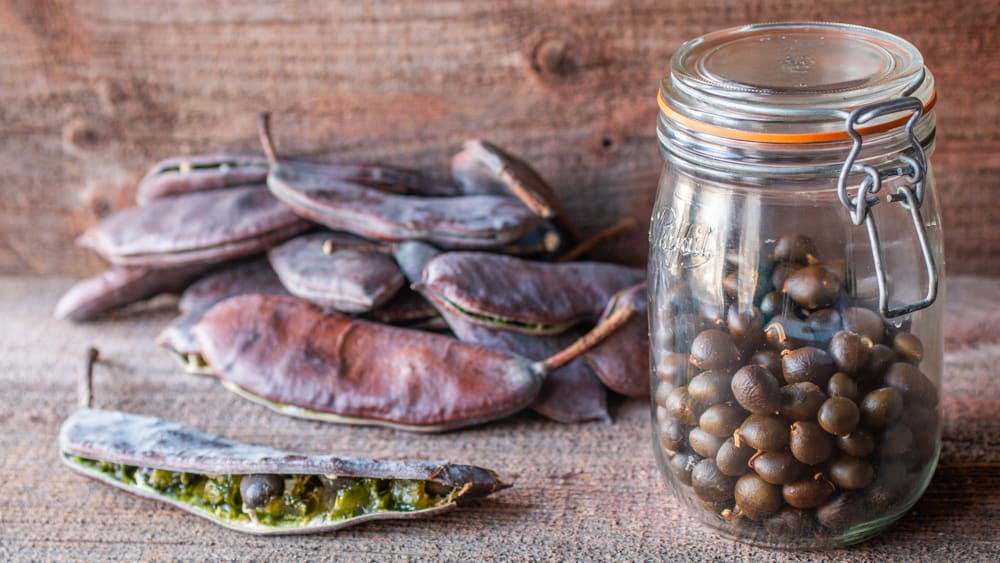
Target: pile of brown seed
802 415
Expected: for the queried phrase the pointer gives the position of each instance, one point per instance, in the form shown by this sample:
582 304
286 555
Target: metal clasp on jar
910 195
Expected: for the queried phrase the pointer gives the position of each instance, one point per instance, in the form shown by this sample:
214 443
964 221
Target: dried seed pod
849 351
522 295
756 389
289 356
712 349
351 277
622 361
181 175
807 364
119 286
801 401
255 277
813 287
809 443
202 474
199 228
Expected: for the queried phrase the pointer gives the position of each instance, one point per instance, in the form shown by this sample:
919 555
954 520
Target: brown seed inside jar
849 472
711 387
813 287
710 484
765 432
795 248
757 498
865 322
849 351
909 347
721 420
859 443
807 364
809 443
712 349
807 492
732 460
838 416
881 407
801 401
756 389
705 444
777 468
769 360
842 385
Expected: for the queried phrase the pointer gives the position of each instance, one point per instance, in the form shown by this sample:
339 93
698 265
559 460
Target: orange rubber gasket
783 137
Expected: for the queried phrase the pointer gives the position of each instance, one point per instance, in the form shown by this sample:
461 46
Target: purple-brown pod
409 308
522 295
254 277
119 286
181 175
287 354
257 489
622 361
337 271
198 228
484 168
570 394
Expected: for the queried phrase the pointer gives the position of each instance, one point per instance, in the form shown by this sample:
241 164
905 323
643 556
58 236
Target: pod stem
264 133
85 385
601 331
591 242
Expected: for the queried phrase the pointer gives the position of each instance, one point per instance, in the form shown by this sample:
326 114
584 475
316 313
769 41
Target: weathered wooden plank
585 492
91 93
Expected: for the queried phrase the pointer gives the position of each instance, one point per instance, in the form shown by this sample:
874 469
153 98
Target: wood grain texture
584 492
93 92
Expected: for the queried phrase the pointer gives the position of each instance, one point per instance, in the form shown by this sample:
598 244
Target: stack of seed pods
372 294
802 414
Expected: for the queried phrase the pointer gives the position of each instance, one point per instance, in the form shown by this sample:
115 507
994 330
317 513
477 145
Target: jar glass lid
790 81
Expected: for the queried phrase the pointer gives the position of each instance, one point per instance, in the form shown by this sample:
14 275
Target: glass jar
795 303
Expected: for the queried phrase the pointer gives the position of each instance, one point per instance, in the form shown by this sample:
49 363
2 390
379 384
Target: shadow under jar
795 252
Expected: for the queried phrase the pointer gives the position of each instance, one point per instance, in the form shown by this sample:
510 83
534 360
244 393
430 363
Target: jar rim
791 82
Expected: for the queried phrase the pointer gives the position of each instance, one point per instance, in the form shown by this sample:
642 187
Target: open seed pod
337 270
197 228
622 361
257 489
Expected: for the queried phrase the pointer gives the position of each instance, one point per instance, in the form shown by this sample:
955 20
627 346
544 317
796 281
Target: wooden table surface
586 492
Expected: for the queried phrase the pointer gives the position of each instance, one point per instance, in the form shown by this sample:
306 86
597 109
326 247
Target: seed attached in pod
838 416
777 468
765 432
801 401
732 459
711 387
851 472
809 443
909 347
712 349
710 484
813 287
756 389
865 322
859 443
807 364
849 351
721 420
807 492
258 490
795 248
881 407
757 498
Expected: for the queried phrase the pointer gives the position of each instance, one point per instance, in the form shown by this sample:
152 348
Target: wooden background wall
93 91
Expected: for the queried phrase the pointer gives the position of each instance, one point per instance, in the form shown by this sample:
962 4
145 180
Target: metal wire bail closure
910 194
